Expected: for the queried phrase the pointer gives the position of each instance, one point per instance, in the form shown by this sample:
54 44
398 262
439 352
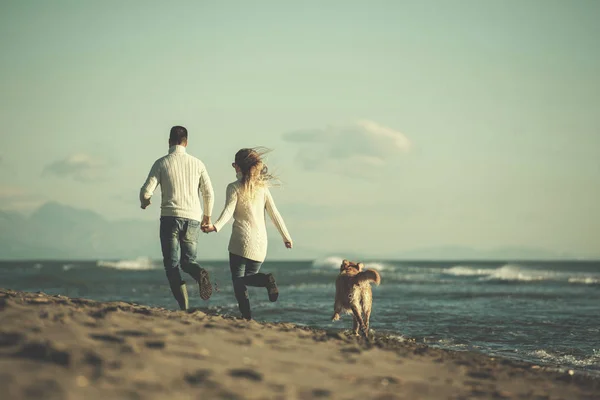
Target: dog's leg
354 325
337 309
367 303
358 319
337 304
367 312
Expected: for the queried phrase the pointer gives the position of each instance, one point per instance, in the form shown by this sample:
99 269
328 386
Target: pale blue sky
500 101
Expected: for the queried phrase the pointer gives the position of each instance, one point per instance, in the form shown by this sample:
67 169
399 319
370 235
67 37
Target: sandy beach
55 347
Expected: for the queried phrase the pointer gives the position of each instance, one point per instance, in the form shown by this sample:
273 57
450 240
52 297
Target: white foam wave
139 264
459 270
586 280
508 272
515 273
67 267
400 338
335 262
562 359
328 262
378 266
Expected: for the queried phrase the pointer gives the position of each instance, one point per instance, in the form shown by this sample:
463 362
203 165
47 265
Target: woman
246 200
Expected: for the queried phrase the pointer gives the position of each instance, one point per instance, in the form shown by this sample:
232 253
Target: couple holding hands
181 178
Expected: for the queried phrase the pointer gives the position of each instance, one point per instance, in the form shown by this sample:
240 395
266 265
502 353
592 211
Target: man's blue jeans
179 242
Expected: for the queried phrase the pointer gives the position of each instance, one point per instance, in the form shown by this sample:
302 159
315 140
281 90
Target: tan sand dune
54 347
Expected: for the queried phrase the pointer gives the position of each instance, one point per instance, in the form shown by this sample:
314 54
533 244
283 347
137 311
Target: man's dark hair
178 135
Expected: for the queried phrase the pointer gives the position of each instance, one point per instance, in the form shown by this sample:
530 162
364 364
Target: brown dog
353 294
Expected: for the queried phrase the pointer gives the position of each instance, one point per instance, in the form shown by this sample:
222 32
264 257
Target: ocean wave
335 262
567 359
586 280
508 272
459 270
328 262
67 267
378 266
511 272
517 273
399 338
139 264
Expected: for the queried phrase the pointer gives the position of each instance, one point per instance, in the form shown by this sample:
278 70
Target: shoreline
57 347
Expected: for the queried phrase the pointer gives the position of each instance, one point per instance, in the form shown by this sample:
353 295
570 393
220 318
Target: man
181 176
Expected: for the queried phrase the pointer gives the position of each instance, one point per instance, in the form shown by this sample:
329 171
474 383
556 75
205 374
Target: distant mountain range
467 253
57 231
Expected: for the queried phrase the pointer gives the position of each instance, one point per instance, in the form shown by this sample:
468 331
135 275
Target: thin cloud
7 192
80 167
14 198
358 149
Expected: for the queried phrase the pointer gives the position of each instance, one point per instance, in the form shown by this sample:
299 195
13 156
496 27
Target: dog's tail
369 275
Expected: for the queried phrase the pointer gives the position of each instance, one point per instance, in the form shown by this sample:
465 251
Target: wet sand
55 347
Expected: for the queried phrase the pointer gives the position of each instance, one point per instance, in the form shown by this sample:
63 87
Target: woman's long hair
255 173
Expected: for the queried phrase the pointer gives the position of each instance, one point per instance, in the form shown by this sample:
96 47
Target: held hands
206 225
208 228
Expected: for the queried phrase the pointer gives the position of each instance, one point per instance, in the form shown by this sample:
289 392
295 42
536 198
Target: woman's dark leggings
244 272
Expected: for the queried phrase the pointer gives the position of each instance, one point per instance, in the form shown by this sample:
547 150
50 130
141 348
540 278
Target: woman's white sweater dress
249 233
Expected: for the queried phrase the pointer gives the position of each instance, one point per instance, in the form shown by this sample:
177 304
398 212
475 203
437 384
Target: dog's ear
345 263
360 266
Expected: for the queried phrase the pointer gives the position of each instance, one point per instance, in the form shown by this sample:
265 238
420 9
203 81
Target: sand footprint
133 333
101 313
198 377
321 393
8 339
351 350
246 374
93 359
107 338
484 374
44 352
243 342
155 344
143 311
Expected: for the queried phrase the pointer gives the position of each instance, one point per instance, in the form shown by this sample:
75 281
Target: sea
546 313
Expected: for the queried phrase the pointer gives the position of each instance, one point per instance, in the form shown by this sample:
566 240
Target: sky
395 125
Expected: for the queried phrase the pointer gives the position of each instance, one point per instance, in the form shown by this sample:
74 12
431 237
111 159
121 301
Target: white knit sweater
249 233
180 177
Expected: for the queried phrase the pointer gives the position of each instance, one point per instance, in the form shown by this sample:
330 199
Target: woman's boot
241 295
244 306
263 280
178 289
